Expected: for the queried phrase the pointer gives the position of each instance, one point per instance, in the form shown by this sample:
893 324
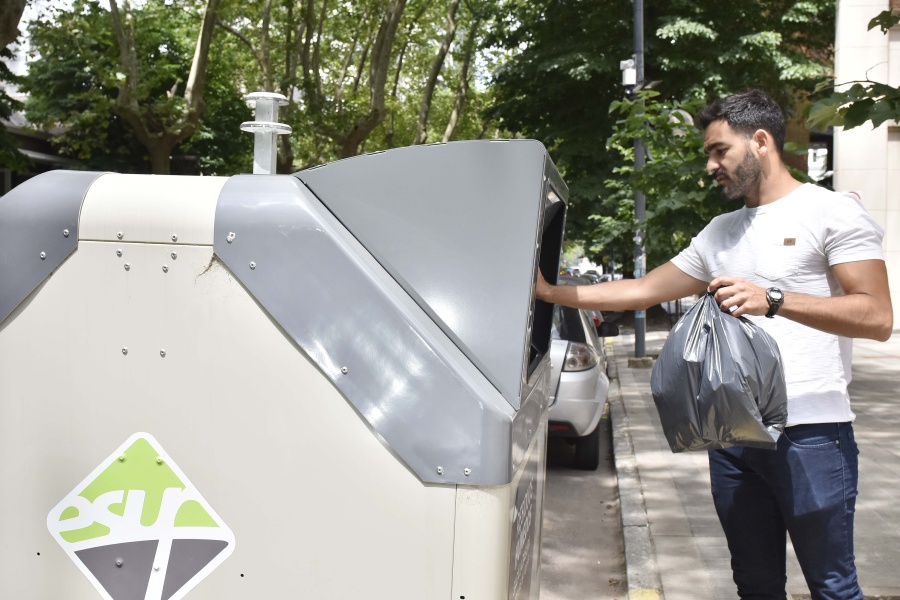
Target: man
811 261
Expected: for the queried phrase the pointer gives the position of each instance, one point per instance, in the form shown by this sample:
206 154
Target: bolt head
174 237
65 233
120 235
230 237
165 269
345 370
127 267
467 472
252 265
440 470
162 353
118 253
174 255
125 351
43 255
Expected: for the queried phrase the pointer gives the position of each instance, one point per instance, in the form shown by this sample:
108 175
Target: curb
641 567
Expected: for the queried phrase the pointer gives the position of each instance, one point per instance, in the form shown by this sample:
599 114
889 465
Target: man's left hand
739 296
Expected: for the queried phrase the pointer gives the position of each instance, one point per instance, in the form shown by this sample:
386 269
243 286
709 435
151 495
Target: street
582 553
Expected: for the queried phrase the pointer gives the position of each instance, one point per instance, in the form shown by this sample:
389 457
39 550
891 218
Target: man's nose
711 165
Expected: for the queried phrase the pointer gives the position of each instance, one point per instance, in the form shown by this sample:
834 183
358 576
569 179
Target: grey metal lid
458 225
38 231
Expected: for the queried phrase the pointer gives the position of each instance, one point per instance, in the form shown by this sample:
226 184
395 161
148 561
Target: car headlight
580 357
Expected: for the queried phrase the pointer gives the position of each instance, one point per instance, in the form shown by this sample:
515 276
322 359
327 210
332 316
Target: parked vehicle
578 379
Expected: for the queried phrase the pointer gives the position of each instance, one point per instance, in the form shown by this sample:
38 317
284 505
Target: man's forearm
855 315
664 283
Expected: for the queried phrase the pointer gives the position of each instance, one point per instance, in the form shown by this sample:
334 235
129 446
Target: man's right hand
543 290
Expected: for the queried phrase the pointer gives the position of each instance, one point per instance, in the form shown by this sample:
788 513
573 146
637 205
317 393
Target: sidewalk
674 546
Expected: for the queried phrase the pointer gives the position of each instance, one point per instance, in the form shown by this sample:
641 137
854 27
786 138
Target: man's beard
746 178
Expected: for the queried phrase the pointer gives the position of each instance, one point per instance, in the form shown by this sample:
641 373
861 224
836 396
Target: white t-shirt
791 244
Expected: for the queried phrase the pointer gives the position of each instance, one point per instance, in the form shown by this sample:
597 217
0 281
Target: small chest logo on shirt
790 241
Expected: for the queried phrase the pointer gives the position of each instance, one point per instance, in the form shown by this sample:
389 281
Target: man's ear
763 142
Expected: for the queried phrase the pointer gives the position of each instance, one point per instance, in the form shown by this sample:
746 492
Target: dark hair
745 113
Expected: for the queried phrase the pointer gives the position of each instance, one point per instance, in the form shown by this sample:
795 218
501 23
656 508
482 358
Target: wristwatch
775 297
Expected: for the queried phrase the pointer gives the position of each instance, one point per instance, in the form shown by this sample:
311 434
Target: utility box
330 385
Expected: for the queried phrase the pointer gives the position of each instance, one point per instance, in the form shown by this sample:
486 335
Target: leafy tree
564 75
362 76
864 100
10 14
75 88
684 198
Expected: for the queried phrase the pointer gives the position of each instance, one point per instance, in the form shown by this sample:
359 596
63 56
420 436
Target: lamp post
640 215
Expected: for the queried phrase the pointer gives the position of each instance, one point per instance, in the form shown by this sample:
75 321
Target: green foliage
563 74
864 101
72 86
10 157
71 92
681 198
885 21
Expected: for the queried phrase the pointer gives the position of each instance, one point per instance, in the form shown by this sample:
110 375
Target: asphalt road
582 552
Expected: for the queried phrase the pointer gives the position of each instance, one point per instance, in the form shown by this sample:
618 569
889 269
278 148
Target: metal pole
640 259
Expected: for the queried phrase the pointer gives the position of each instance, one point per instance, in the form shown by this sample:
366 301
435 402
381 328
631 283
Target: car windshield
567 324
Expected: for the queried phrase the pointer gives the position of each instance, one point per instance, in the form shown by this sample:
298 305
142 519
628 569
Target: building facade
866 159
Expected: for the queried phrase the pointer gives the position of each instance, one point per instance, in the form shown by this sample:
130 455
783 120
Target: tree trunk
160 158
160 136
462 91
436 66
10 15
378 71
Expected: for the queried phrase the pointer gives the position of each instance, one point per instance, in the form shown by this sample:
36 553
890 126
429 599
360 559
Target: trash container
327 385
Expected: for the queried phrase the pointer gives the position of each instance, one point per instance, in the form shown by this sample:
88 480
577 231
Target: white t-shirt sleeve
851 234
690 260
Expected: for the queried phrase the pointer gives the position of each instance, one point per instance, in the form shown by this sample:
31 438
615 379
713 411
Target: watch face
776 295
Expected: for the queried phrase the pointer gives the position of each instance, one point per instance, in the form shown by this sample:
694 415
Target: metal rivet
440 470
156 567
230 237
174 237
838 442
43 255
125 351
162 353
120 235
119 562
165 269
467 472
345 370
118 253
159 460
121 458
127 267
65 233
174 255
252 265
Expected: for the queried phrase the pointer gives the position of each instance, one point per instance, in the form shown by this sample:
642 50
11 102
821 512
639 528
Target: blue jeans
806 487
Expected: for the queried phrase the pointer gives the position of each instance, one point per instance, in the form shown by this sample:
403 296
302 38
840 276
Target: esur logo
138 529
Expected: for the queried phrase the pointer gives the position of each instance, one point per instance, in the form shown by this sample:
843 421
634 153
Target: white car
578 380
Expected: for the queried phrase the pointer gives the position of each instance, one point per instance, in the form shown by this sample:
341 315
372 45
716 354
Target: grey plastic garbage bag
719 382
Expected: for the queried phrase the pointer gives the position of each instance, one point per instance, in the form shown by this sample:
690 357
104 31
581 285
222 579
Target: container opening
549 253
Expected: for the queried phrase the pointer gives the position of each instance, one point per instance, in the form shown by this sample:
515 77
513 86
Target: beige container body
147 332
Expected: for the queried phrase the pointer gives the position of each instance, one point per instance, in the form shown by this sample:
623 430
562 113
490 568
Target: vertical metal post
640 259
264 130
